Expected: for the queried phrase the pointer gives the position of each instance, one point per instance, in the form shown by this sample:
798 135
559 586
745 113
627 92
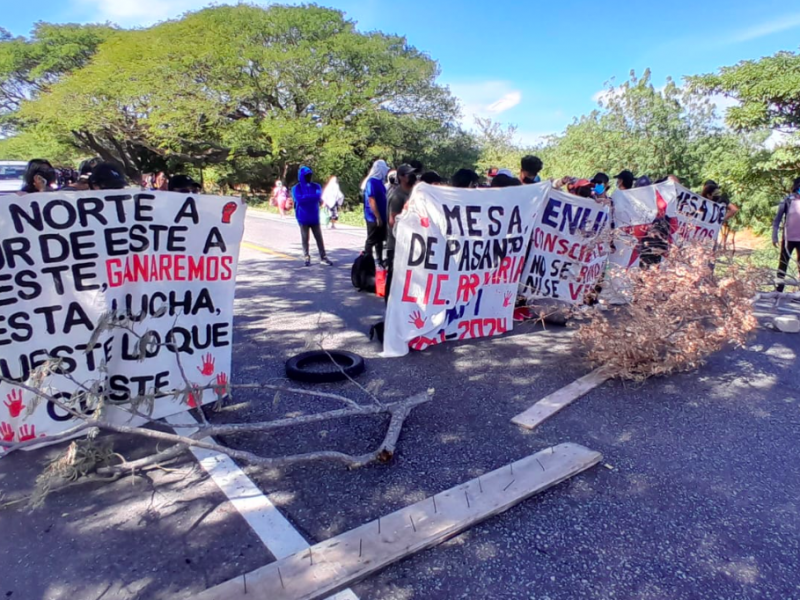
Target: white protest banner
458 261
165 261
641 216
699 219
568 250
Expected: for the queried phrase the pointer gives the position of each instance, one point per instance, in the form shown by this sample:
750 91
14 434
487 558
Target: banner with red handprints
458 261
162 263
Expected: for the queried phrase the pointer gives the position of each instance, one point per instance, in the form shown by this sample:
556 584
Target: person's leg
317 231
389 271
380 238
369 245
783 262
304 230
793 249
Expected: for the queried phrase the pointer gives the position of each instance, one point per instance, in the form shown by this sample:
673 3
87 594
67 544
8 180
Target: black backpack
363 273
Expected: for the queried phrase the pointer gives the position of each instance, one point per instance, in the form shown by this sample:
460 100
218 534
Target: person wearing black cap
406 178
106 176
529 169
183 184
625 180
643 181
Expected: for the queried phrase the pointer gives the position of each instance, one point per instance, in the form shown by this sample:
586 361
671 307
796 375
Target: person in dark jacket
787 223
307 197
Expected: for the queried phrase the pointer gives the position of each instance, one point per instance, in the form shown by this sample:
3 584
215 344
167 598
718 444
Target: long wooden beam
336 563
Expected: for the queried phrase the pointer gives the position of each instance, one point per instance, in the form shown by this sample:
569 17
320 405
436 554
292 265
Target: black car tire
351 364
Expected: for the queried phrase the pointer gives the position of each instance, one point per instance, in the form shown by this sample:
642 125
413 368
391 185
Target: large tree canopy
248 89
767 92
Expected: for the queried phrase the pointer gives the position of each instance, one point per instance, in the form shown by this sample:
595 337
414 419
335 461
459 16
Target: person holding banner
106 176
39 176
625 180
529 169
465 179
711 191
406 178
307 197
374 191
788 218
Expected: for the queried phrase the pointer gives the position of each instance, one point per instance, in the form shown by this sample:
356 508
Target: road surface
700 499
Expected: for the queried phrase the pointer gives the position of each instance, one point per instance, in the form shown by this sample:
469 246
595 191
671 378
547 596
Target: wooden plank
338 562
550 405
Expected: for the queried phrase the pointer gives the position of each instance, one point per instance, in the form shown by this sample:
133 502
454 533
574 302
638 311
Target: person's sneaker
308 262
326 261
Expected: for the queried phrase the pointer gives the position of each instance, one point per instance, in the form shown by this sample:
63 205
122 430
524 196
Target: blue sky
534 64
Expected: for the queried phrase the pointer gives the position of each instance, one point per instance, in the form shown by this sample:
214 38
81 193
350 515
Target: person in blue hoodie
307 197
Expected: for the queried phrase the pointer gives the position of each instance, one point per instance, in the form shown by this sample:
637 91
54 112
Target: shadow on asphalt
155 537
700 503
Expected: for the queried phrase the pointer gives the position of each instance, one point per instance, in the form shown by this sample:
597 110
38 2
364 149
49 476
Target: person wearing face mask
398 197
600 188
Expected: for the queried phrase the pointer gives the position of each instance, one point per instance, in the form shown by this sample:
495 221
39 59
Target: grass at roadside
346 217
760 253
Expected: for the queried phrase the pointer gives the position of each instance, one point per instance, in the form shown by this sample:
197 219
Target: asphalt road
701 502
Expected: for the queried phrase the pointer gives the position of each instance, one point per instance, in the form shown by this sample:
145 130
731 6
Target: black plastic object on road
321 366
363 273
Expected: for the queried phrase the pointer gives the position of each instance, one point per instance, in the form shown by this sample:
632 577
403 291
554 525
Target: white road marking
267 522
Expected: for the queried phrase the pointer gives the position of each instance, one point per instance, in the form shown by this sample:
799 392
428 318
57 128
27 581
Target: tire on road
350 364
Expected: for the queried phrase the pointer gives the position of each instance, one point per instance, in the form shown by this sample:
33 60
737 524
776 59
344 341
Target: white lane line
267 522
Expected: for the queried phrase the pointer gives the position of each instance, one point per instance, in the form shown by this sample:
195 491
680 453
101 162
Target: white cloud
510 100
485 99
778 25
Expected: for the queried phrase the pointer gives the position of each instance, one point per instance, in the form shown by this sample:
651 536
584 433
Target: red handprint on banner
6 432
507 298
208 366
190 401
221 389
14 403
27 432
417 320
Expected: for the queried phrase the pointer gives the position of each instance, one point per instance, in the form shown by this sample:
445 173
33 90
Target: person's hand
775 243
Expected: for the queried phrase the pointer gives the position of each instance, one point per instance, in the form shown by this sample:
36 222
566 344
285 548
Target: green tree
28 69
499 146
649 131
251 93
767 92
